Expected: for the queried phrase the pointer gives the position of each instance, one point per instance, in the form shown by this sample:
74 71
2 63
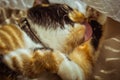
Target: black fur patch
97 33
53 15
1 57
7 72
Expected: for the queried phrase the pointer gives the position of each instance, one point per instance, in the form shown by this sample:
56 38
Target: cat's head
60 26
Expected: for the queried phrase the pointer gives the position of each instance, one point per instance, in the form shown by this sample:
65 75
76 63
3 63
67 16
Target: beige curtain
17 4
109 7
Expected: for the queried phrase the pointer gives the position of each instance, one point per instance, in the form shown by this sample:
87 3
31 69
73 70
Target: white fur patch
29 43
68 70
52 38
8 61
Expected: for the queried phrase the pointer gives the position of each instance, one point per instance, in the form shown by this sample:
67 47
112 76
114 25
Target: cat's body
60 28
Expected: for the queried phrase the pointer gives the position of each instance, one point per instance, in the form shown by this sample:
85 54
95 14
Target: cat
71 37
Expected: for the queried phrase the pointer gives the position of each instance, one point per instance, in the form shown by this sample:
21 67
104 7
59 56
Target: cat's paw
49 59
57 62
95 15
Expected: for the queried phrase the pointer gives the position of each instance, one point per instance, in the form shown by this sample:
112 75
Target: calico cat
65 31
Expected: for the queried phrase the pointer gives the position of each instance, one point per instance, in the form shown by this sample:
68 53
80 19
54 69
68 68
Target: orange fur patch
76 16
83 56
10 38
75 38
41 61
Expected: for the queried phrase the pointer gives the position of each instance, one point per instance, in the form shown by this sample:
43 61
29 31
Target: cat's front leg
23 61
33 62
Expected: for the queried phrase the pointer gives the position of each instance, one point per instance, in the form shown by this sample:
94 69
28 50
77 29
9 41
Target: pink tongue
88 33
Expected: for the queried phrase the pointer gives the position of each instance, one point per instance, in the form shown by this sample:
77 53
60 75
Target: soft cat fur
60 28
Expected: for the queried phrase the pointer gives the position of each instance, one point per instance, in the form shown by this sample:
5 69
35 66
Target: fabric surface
108 62
108 7
17 4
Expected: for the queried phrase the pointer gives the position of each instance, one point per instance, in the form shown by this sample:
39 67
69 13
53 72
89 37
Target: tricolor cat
66 31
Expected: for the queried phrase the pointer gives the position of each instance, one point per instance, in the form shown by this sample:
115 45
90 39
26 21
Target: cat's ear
76 16
38 2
